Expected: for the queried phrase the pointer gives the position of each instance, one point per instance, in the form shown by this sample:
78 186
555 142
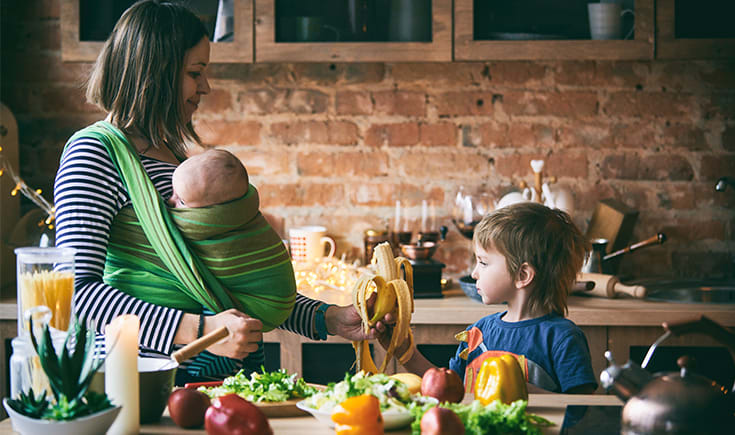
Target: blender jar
45 278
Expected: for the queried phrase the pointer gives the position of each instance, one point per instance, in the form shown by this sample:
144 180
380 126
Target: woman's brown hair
137 76
546 239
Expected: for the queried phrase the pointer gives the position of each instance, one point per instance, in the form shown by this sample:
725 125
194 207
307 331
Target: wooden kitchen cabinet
534 29
85 24
695 29
274 41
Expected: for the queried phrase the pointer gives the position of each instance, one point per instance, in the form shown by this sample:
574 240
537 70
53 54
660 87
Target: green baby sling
213 258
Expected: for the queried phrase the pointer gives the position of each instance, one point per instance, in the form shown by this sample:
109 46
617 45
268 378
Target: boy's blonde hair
544 238
137 75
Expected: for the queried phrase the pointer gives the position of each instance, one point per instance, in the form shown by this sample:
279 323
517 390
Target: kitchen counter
549 406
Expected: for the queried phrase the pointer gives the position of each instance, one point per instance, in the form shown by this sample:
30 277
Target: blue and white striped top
88 194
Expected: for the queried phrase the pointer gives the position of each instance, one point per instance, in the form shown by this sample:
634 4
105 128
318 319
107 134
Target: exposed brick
567 164
620 74
218 100
660 167
218 133
269 100
402 134
684 136
695 230
343 73
464 103
452 164
720 105
404 103
261 101
728 138
693 76
439 74
702 264
307 101
302 194
572 104
385 194
354 103
362 73
264 162
714 167
300 132
537 135
342 133
65 100
649 105
691 196
486 135
439 134
342 164
527 74
258 74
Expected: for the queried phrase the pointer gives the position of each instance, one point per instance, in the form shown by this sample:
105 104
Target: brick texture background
338 144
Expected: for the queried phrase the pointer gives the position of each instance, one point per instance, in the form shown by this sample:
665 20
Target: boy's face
494 283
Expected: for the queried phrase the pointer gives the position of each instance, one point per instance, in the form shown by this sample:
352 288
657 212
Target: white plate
392 419
92 424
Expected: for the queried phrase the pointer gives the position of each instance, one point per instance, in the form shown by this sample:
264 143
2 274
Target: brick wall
337 144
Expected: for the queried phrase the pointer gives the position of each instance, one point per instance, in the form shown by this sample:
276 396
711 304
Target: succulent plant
69 373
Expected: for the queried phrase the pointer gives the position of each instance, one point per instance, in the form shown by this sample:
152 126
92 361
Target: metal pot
673 403
426 245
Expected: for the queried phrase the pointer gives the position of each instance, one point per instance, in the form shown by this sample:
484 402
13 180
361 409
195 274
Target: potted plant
73 408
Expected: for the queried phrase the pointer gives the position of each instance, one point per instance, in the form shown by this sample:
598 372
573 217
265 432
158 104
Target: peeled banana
393 293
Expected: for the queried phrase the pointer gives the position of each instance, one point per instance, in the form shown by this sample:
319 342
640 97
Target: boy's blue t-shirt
555 348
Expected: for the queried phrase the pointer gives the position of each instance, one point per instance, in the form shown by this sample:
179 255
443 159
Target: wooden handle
582 286
200 344
604 284
637 291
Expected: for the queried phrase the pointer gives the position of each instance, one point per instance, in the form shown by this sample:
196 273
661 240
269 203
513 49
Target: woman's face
194 84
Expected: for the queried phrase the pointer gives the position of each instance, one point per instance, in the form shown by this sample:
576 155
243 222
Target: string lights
328 279
33 195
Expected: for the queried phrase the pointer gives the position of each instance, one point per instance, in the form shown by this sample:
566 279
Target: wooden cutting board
281 409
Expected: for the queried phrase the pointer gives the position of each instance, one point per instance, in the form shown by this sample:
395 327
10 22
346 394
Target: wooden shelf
467 48
73 49
668 46
268 50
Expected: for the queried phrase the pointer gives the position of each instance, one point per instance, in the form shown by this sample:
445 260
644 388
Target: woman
150 78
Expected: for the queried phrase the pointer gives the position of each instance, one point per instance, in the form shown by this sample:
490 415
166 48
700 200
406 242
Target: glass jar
45 278
371 239
25 368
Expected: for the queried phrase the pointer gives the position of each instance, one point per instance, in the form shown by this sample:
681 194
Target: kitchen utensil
614 221
593 263
582 286
676 403
608 286
198 345
658 239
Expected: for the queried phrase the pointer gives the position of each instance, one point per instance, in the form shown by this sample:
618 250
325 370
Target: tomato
233 415
187 407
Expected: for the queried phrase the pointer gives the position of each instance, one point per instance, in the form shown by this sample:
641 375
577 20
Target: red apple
441 421
187 407
443 384
233 415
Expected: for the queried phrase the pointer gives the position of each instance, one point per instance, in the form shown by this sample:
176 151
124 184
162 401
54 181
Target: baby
217 211
212 177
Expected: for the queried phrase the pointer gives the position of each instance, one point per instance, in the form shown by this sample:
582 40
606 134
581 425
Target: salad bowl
392 418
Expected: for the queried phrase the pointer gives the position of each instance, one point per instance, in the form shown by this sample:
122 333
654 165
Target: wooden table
549 406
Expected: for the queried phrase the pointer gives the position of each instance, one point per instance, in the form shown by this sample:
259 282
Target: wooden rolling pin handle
198 345
637 291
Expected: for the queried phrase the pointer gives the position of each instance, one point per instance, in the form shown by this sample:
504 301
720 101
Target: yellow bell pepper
500 378
359 415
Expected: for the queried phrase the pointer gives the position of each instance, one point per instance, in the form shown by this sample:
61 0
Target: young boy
528 256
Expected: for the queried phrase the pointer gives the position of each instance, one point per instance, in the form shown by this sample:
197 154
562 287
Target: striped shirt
88 194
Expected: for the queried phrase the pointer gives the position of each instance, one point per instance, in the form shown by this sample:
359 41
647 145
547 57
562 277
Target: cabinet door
695 29
327 31
536 29
85 24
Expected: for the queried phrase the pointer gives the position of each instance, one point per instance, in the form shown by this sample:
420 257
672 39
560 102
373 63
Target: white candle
396 227
424 214
121 372
433 217
467 210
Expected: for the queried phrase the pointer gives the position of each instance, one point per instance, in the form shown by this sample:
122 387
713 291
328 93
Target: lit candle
424 214
396 227
121 372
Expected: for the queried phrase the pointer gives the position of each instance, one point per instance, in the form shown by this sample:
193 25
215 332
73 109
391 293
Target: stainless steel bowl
416 251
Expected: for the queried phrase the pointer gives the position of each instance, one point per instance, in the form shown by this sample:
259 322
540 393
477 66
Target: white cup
605 20
308 243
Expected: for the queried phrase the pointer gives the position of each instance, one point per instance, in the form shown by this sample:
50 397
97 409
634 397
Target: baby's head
546 239
212 177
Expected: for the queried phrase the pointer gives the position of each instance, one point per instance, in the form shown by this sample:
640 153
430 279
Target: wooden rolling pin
608 286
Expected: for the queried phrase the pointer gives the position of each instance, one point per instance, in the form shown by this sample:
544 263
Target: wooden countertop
549 406
457 309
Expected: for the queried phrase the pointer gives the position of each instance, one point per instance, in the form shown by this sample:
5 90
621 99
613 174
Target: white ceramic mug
605 20
308 243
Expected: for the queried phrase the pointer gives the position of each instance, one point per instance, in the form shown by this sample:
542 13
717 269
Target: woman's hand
245 333
346 322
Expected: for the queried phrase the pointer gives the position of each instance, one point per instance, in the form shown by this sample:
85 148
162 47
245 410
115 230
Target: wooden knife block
614 221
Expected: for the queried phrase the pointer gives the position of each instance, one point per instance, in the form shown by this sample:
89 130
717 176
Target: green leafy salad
392 393
495 418
275 386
